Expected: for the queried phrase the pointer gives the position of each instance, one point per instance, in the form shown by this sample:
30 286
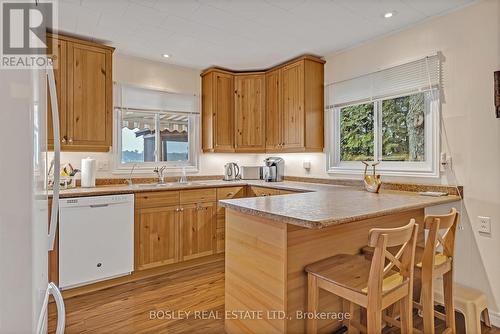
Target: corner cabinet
250 112
277 110
84 85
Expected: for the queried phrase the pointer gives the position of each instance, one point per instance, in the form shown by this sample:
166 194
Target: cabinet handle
70 140
63 140
182 209
230 194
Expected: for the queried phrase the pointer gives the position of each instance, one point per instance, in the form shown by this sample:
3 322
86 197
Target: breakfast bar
269 241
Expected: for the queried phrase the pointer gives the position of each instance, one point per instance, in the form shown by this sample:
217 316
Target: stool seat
439 259
351 272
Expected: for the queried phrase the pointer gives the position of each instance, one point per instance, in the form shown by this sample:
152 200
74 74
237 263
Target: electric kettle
231 171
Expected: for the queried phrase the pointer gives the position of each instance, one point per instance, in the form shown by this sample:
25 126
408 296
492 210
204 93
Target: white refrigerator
24 235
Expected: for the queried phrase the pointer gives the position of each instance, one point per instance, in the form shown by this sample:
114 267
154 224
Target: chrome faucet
129 180
160 174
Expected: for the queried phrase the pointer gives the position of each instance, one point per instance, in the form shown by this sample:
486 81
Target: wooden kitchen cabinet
295 107
217 116
84 85
225 193
277 110
254 191
273 111
157 233
198 230
250 112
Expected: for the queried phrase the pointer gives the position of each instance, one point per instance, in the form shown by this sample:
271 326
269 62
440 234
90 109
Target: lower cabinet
157 231
174 233
198 230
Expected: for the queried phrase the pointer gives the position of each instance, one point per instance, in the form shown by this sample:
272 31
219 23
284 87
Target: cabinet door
223 113
273 111
293 106
198 230
89 98
157 231
250 112
57 49
262 192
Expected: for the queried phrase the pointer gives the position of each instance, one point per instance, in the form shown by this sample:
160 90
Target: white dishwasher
96 239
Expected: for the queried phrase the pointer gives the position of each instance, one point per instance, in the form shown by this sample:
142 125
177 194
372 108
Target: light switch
484 225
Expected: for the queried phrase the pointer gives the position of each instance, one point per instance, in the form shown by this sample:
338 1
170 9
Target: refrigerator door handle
61 311
54 217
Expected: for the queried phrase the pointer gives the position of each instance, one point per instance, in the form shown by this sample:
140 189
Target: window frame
191 165
427 168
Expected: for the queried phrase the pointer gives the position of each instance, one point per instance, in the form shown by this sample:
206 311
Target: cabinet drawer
230 192
198 195
156 199
261 191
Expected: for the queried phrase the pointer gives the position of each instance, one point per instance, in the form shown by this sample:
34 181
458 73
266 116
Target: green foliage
356 135
402 130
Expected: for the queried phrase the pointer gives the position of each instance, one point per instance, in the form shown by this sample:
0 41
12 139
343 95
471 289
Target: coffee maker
274 169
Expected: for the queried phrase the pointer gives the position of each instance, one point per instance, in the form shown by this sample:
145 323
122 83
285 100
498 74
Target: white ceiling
239 34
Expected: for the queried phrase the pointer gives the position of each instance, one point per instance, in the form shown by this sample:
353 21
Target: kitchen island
269 241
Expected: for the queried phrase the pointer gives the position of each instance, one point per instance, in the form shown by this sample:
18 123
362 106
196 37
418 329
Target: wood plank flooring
126 308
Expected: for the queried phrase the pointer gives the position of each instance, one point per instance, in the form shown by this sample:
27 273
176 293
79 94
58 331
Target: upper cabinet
250 112
217 112
84 85
278 110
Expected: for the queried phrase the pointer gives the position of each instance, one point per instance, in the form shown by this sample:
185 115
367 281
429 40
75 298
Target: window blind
131 97
419 75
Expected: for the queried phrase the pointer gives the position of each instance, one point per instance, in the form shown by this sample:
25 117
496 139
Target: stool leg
406 308
472 321
486 317
354 311
374 320
448 300
312 303
427 301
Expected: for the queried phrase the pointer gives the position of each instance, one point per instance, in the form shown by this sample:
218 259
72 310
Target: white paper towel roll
88 173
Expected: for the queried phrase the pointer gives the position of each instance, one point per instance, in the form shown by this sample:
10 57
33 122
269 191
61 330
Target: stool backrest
435 224
403 259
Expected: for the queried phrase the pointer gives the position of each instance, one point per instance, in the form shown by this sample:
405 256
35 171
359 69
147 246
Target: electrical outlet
484 225
103 165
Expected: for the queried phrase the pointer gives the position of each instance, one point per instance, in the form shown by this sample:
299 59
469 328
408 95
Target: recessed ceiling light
389 15
165 55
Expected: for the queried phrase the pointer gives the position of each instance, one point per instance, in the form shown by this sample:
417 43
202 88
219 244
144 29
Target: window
148 136
399 130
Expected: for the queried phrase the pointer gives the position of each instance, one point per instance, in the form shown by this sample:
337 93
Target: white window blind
419 75
131 97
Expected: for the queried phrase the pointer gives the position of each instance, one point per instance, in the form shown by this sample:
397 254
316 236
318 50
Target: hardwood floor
126 308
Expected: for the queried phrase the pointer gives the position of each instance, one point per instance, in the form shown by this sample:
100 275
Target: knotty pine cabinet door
57 50
157 232
293 120
217 117
274 122
89 97
198 230
250 112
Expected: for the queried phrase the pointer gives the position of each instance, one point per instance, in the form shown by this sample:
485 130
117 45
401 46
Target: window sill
386 172
125 170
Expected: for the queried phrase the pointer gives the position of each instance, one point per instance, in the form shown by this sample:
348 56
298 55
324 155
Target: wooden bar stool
436 262
374 284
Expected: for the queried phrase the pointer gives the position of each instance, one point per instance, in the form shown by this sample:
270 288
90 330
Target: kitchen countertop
317 206
329 205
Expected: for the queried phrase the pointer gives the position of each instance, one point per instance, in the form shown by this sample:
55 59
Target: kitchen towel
88 173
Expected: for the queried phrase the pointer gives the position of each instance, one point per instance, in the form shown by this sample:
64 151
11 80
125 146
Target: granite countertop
329 205
314 206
